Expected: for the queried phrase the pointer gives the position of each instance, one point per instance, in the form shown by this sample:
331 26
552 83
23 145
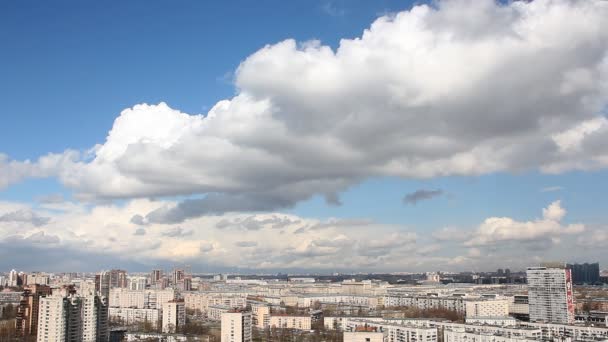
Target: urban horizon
304 171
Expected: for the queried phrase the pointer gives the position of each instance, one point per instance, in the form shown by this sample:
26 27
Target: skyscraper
550 295
236 326
26 323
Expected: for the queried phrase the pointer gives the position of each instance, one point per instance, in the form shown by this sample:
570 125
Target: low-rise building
291 322
129 316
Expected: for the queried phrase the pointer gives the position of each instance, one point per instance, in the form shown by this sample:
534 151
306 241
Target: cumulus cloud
597 238
549 228
25 216
177 232
333 244
257 222
459 88
139 232
421 195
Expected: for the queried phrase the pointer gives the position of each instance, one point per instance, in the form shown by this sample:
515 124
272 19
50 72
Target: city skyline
334 136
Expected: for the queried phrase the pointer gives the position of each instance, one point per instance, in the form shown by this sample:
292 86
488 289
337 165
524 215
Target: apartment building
236 326
550 295
130 316
174 316
72 318
291 322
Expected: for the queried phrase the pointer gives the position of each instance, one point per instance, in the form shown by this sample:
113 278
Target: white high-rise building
174 315
72 318
137 283
236 326
51 319
550 295
13 278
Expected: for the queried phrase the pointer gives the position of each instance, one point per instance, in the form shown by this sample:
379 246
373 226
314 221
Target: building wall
362 336
291 322
52 321
549 291
236 327
487 308
174 316
131 316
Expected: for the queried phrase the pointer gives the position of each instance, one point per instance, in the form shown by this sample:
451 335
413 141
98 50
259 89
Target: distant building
37 278
102 284
178 275
137 283
156 276
585 273
550 295
118 278
13 278
236 326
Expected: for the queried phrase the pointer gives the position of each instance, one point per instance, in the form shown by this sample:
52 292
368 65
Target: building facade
236 326
174 316
550 295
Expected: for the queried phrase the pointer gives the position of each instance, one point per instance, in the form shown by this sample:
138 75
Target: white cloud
277 240
500 230
597 238
463 88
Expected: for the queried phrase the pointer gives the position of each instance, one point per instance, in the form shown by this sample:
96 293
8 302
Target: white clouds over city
273 241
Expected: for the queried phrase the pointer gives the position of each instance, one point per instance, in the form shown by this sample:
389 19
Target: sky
303 136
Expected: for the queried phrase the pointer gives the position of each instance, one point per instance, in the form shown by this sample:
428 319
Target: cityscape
304 171
549 302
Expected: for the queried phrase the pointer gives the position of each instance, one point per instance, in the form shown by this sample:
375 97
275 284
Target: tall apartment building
236 326
550 295
102 284
585 273
178 275
137 283
72 318
26 323
118 278
155 276
37 278
13 278
174 316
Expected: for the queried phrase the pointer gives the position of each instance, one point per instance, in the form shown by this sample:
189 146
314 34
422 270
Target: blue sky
68 69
